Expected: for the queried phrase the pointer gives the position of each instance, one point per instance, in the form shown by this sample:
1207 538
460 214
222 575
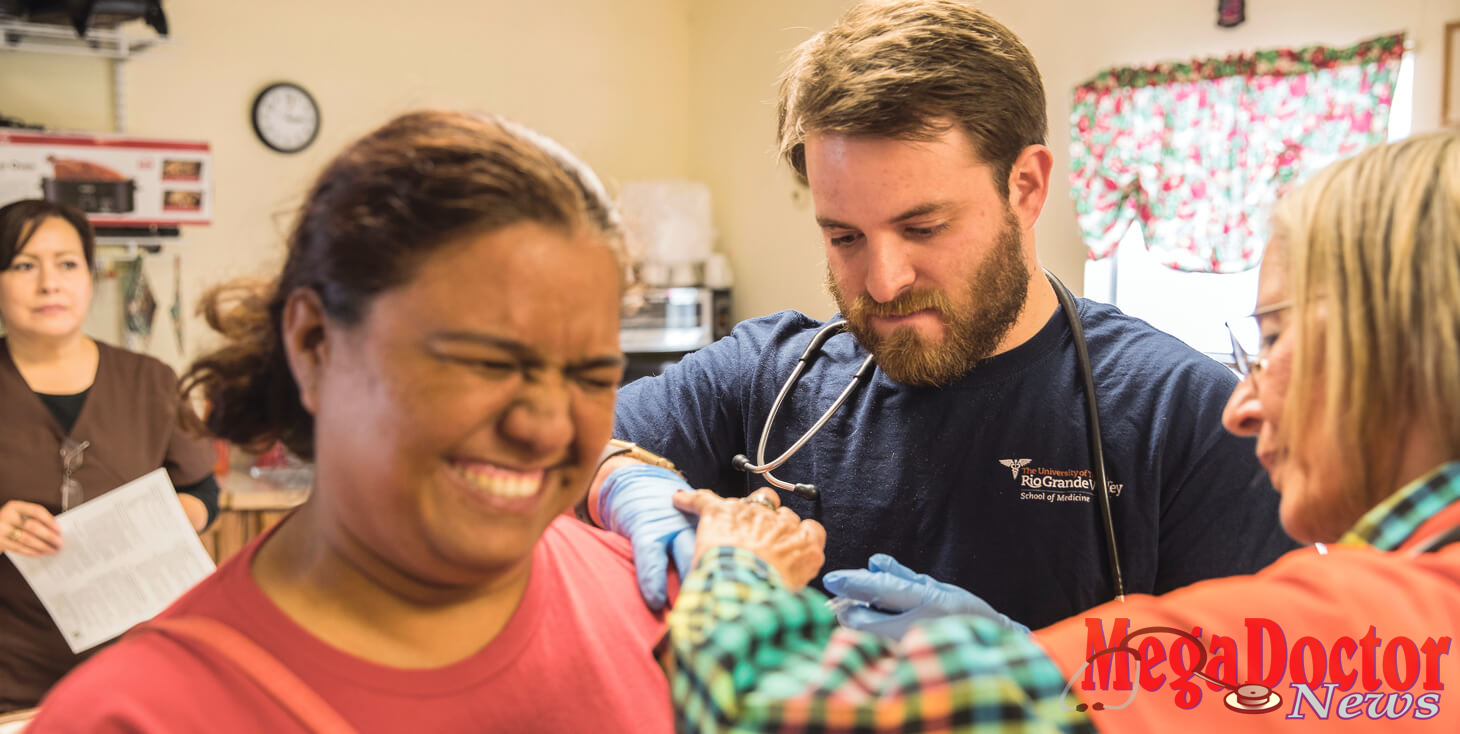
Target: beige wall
737 49
763 217
609 80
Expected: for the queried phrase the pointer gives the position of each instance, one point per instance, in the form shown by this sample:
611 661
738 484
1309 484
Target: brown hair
1373 243
379 210
910 69
19 221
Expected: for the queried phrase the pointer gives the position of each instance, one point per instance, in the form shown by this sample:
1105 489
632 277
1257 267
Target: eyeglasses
1249 346
71 460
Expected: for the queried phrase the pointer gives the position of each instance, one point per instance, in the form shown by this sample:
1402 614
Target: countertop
241 492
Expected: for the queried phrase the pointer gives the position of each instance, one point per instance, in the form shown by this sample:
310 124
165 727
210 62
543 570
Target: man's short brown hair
908 69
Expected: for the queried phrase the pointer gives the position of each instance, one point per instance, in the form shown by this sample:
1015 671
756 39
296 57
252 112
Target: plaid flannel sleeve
752 656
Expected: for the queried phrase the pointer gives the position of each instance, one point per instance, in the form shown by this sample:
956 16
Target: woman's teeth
498 481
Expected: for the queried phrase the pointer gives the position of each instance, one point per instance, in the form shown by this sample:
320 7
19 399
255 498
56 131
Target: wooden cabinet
246 508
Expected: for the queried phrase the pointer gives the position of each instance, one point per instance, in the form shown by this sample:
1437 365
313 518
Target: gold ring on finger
14 533
760 499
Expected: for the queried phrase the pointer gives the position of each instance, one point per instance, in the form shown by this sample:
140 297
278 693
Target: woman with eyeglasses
78 418
1354 399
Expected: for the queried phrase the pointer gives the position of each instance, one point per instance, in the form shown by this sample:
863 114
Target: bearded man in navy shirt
919 127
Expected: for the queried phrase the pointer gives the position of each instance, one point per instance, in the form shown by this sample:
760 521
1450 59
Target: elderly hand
900 598
28 529
758 523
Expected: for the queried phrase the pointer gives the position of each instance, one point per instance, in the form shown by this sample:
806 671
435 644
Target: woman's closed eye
598 378
497 366
493 366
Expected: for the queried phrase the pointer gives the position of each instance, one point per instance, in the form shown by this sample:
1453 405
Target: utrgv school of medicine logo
1015 465
1043 484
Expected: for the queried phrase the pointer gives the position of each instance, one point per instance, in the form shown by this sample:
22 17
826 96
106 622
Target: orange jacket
1334 599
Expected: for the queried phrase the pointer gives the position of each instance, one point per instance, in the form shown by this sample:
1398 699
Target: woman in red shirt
442 343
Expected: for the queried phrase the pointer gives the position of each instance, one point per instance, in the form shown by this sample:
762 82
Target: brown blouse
130 418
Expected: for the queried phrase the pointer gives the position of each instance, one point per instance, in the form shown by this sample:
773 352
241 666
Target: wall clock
285 117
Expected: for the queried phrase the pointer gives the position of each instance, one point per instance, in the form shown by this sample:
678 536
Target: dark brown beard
996 296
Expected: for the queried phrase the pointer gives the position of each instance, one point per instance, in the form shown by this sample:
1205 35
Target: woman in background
78 418
1354 398
443 344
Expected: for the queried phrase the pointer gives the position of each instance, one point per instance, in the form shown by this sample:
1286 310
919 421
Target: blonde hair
906 70
1373 243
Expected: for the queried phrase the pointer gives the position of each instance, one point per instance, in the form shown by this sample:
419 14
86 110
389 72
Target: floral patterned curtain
1198 152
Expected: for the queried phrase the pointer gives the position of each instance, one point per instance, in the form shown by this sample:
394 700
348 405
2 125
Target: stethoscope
809 491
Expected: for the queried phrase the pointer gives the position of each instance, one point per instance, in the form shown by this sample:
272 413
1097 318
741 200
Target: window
1195 306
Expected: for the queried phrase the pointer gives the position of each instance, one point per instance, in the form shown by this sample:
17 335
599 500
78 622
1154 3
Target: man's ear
1029 184
305 343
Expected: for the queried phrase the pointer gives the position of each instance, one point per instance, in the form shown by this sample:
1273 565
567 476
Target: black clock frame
254 117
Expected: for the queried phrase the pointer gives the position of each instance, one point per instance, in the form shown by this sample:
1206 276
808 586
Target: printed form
127 555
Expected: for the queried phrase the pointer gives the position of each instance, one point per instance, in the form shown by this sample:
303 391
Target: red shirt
576 656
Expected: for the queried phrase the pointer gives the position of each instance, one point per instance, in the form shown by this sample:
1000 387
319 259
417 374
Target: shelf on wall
109 43
114 44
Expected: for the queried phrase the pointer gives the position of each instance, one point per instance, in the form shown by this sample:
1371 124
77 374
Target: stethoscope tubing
826 416
1092 429
809 355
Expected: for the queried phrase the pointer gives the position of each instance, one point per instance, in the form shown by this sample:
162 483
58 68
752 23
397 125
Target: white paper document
127 555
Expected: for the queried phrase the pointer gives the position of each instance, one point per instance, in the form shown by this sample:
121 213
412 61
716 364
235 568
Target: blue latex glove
888 597
634 501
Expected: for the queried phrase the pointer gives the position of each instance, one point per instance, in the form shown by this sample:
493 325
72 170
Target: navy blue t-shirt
985 483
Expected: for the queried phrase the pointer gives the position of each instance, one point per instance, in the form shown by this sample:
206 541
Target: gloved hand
635 502
900 598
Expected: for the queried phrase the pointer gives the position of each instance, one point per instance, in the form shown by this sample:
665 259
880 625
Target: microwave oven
673 320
